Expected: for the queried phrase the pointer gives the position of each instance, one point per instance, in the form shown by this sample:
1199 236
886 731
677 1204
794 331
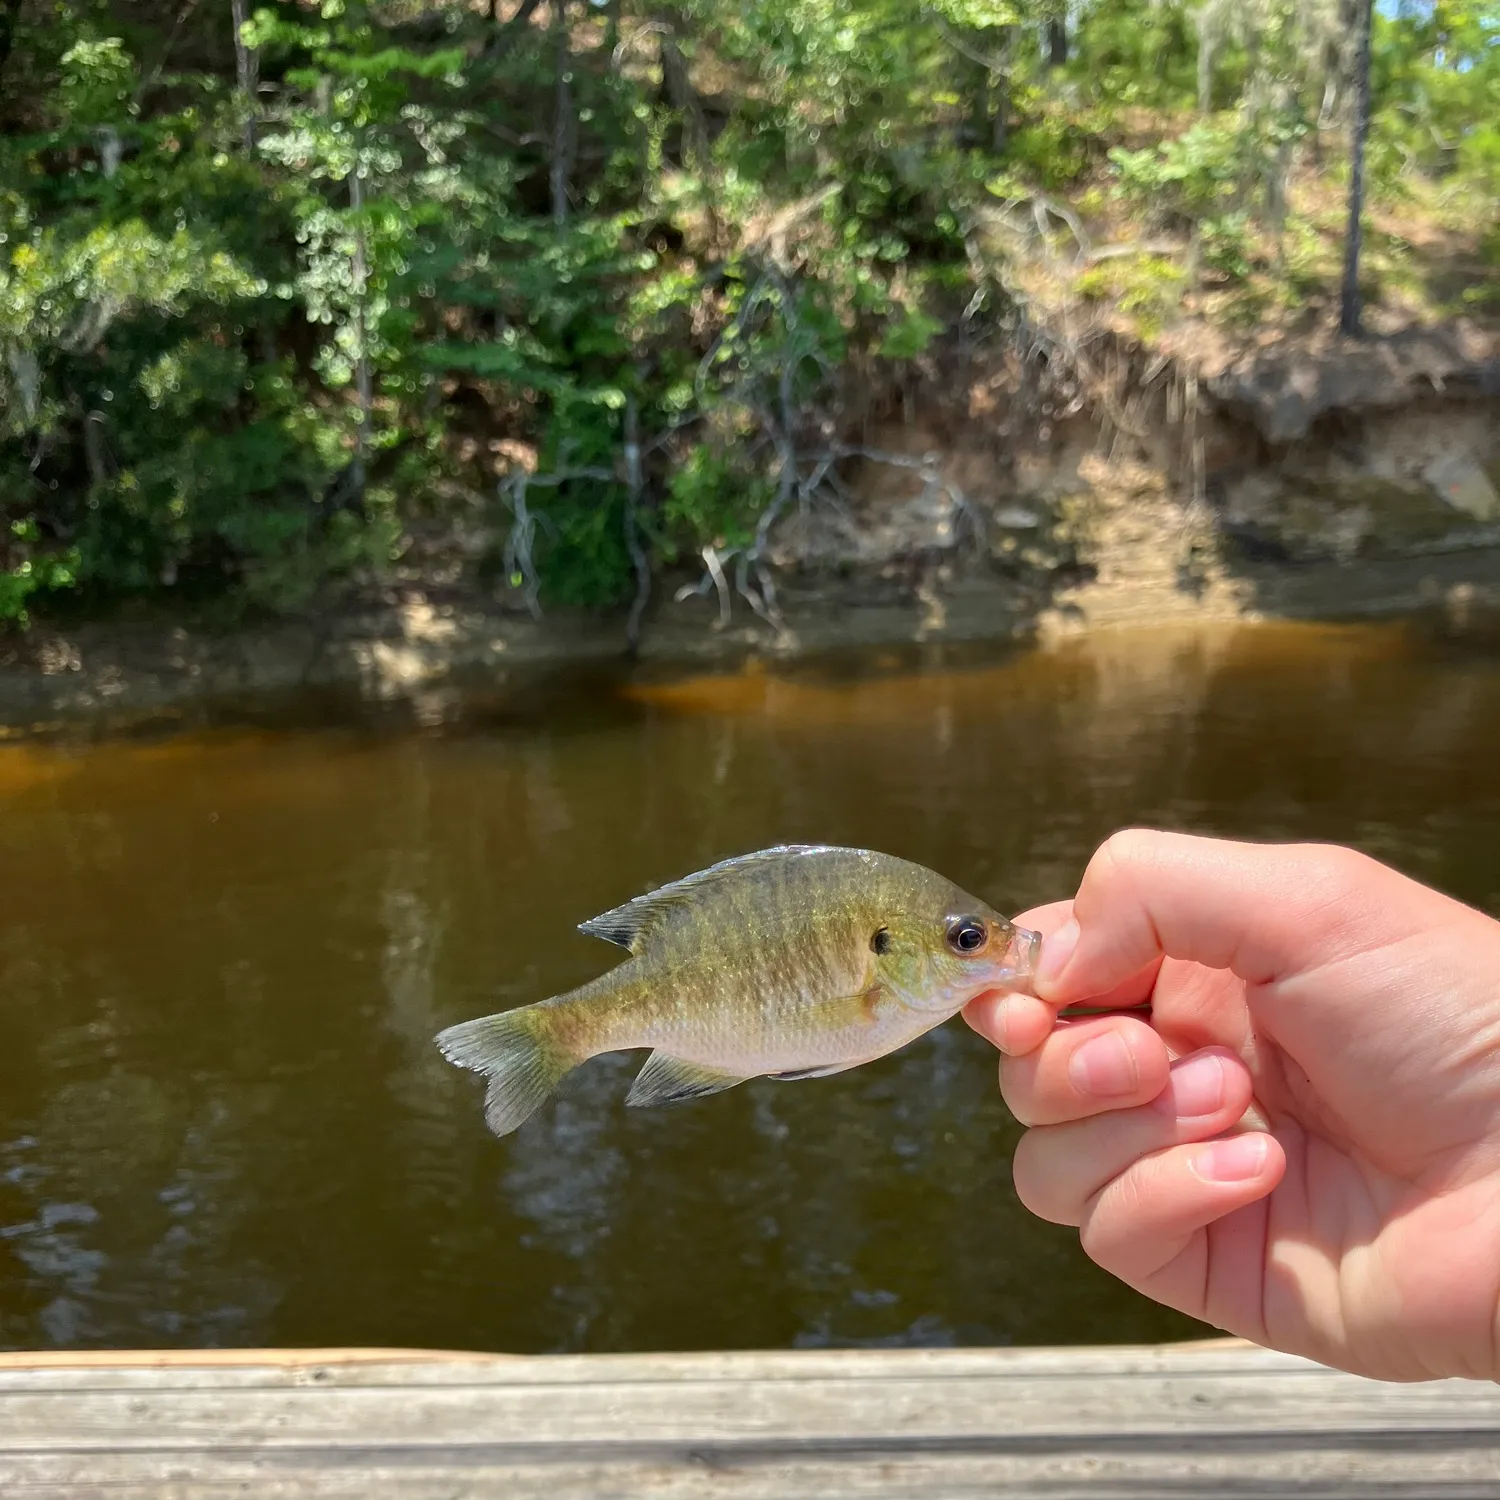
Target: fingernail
1104 1067
1056 951
1196 1086
1233 1160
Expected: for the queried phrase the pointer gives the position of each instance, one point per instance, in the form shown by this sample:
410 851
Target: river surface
224 952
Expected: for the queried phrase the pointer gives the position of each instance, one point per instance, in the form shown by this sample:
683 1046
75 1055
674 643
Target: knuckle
1340 868
1110 1213
1126 850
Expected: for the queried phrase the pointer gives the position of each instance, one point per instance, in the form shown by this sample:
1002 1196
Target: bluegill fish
794 962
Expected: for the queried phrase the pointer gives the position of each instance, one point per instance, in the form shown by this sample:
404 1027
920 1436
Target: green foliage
1147 288
711 497
909 334
1195 175
1054 150
1479 155
24 571
1225 244
1134 55
249 334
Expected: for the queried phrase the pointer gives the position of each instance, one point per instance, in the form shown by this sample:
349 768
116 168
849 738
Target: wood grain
1220 1419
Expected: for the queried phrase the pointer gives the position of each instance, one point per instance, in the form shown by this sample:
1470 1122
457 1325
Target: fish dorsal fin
670 1080
633 924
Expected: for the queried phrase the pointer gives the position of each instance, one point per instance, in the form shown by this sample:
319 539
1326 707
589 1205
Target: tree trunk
997 89
1339 63
246 71
95 448
634 491
10 14
562 112
1350 320
364 382
999 112
1276 181
1057 41
507 32
683 97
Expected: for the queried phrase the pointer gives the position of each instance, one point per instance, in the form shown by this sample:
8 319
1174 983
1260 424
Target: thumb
1263 911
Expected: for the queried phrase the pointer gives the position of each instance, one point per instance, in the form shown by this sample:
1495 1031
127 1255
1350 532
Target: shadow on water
224 953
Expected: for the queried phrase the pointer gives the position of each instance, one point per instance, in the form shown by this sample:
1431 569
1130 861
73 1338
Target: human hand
1356 1011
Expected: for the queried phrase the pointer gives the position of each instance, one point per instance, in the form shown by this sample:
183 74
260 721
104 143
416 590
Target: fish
798 961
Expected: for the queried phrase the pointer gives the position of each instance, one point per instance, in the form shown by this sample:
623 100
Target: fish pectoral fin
870 1004
671 1080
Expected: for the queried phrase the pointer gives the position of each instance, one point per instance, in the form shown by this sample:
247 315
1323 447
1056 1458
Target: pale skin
1359 1010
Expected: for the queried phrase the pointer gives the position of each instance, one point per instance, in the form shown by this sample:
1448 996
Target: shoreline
397 652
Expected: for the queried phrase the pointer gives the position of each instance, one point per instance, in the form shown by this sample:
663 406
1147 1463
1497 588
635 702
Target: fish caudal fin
513 1050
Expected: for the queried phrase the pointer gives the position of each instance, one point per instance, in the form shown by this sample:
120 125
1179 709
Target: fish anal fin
672 1080
631 925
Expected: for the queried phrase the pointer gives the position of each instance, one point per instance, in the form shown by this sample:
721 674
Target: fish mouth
1022 952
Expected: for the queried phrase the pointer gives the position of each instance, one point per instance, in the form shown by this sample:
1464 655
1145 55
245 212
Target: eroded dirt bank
1000 501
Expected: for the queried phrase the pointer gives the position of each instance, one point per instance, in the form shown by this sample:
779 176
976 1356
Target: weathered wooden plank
1337 1473
202 1369
275 1359
1220 1420
735 1410
402 1366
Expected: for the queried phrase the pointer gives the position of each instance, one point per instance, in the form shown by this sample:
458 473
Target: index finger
1018 1023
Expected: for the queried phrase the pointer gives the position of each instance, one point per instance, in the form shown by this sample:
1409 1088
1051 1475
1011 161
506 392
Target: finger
1045 919
1017 1023
1059 1168
1263 911
1084 1068
1129 994
1147 1226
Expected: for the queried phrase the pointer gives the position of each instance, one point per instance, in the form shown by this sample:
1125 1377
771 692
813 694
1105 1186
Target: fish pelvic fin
631 925
518 1056
670 1080
823 1072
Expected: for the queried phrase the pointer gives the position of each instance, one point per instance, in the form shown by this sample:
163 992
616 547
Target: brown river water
224 952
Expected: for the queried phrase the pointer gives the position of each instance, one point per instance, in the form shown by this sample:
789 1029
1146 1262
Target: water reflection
223 957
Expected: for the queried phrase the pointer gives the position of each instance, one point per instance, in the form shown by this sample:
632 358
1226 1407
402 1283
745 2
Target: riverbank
1119 485
401 649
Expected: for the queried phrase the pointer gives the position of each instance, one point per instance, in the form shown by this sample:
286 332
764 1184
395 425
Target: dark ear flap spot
881 941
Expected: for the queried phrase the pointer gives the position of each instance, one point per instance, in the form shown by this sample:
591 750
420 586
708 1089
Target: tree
1351 320
279 281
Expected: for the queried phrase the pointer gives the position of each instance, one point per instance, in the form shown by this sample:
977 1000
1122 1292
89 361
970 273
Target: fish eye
881 941
967 935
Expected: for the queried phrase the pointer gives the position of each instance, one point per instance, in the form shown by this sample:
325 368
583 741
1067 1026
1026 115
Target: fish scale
795 961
